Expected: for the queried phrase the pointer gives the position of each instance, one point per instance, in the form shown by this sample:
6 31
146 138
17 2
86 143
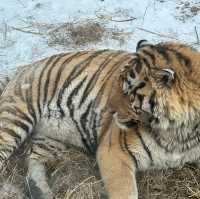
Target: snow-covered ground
24 24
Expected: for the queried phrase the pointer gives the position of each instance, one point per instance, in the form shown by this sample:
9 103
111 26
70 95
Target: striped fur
135 111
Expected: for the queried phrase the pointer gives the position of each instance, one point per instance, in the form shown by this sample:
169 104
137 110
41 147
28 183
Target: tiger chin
134 111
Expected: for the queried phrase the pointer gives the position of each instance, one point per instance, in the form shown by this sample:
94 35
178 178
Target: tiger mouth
144 117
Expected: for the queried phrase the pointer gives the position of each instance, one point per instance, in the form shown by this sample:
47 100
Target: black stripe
49 60
13 134
164 53
28 96
23 115
121 141
94 125
48 77
74 74
41 139
141 99
128 150
131 123
83 65
84 120
70 106
8 152
144 145
138 66
59 73
139 86
2 157
152 101
151 56
195 127
16 112
34 152
46 148
17 123
92 82
114 68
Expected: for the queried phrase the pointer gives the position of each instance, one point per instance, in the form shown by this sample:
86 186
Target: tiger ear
163 77
141 44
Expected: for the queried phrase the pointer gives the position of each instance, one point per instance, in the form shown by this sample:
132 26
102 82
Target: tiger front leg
117 167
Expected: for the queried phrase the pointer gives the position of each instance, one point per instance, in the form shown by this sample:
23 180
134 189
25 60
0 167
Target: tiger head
163 83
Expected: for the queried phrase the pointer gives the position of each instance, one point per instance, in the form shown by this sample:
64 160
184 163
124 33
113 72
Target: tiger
132 110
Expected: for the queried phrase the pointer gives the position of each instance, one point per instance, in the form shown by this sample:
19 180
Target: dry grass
76 176
80 34
83 33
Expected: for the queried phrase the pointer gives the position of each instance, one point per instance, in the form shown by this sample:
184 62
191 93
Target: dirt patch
84 33
80 34
76 34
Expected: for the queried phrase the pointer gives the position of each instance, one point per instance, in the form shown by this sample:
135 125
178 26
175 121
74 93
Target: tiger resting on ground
134 111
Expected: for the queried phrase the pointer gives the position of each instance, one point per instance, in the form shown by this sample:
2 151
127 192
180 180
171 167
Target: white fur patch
170 71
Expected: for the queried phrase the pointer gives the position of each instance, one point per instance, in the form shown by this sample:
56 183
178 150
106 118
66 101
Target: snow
155 20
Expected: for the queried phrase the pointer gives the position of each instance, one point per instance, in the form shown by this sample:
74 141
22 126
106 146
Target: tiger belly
62 130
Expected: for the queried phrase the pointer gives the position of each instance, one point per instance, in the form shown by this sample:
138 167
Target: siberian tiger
135 111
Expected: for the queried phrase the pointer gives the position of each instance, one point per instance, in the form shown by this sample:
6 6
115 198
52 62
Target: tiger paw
36 192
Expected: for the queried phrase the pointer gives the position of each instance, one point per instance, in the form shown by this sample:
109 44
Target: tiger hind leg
43 150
